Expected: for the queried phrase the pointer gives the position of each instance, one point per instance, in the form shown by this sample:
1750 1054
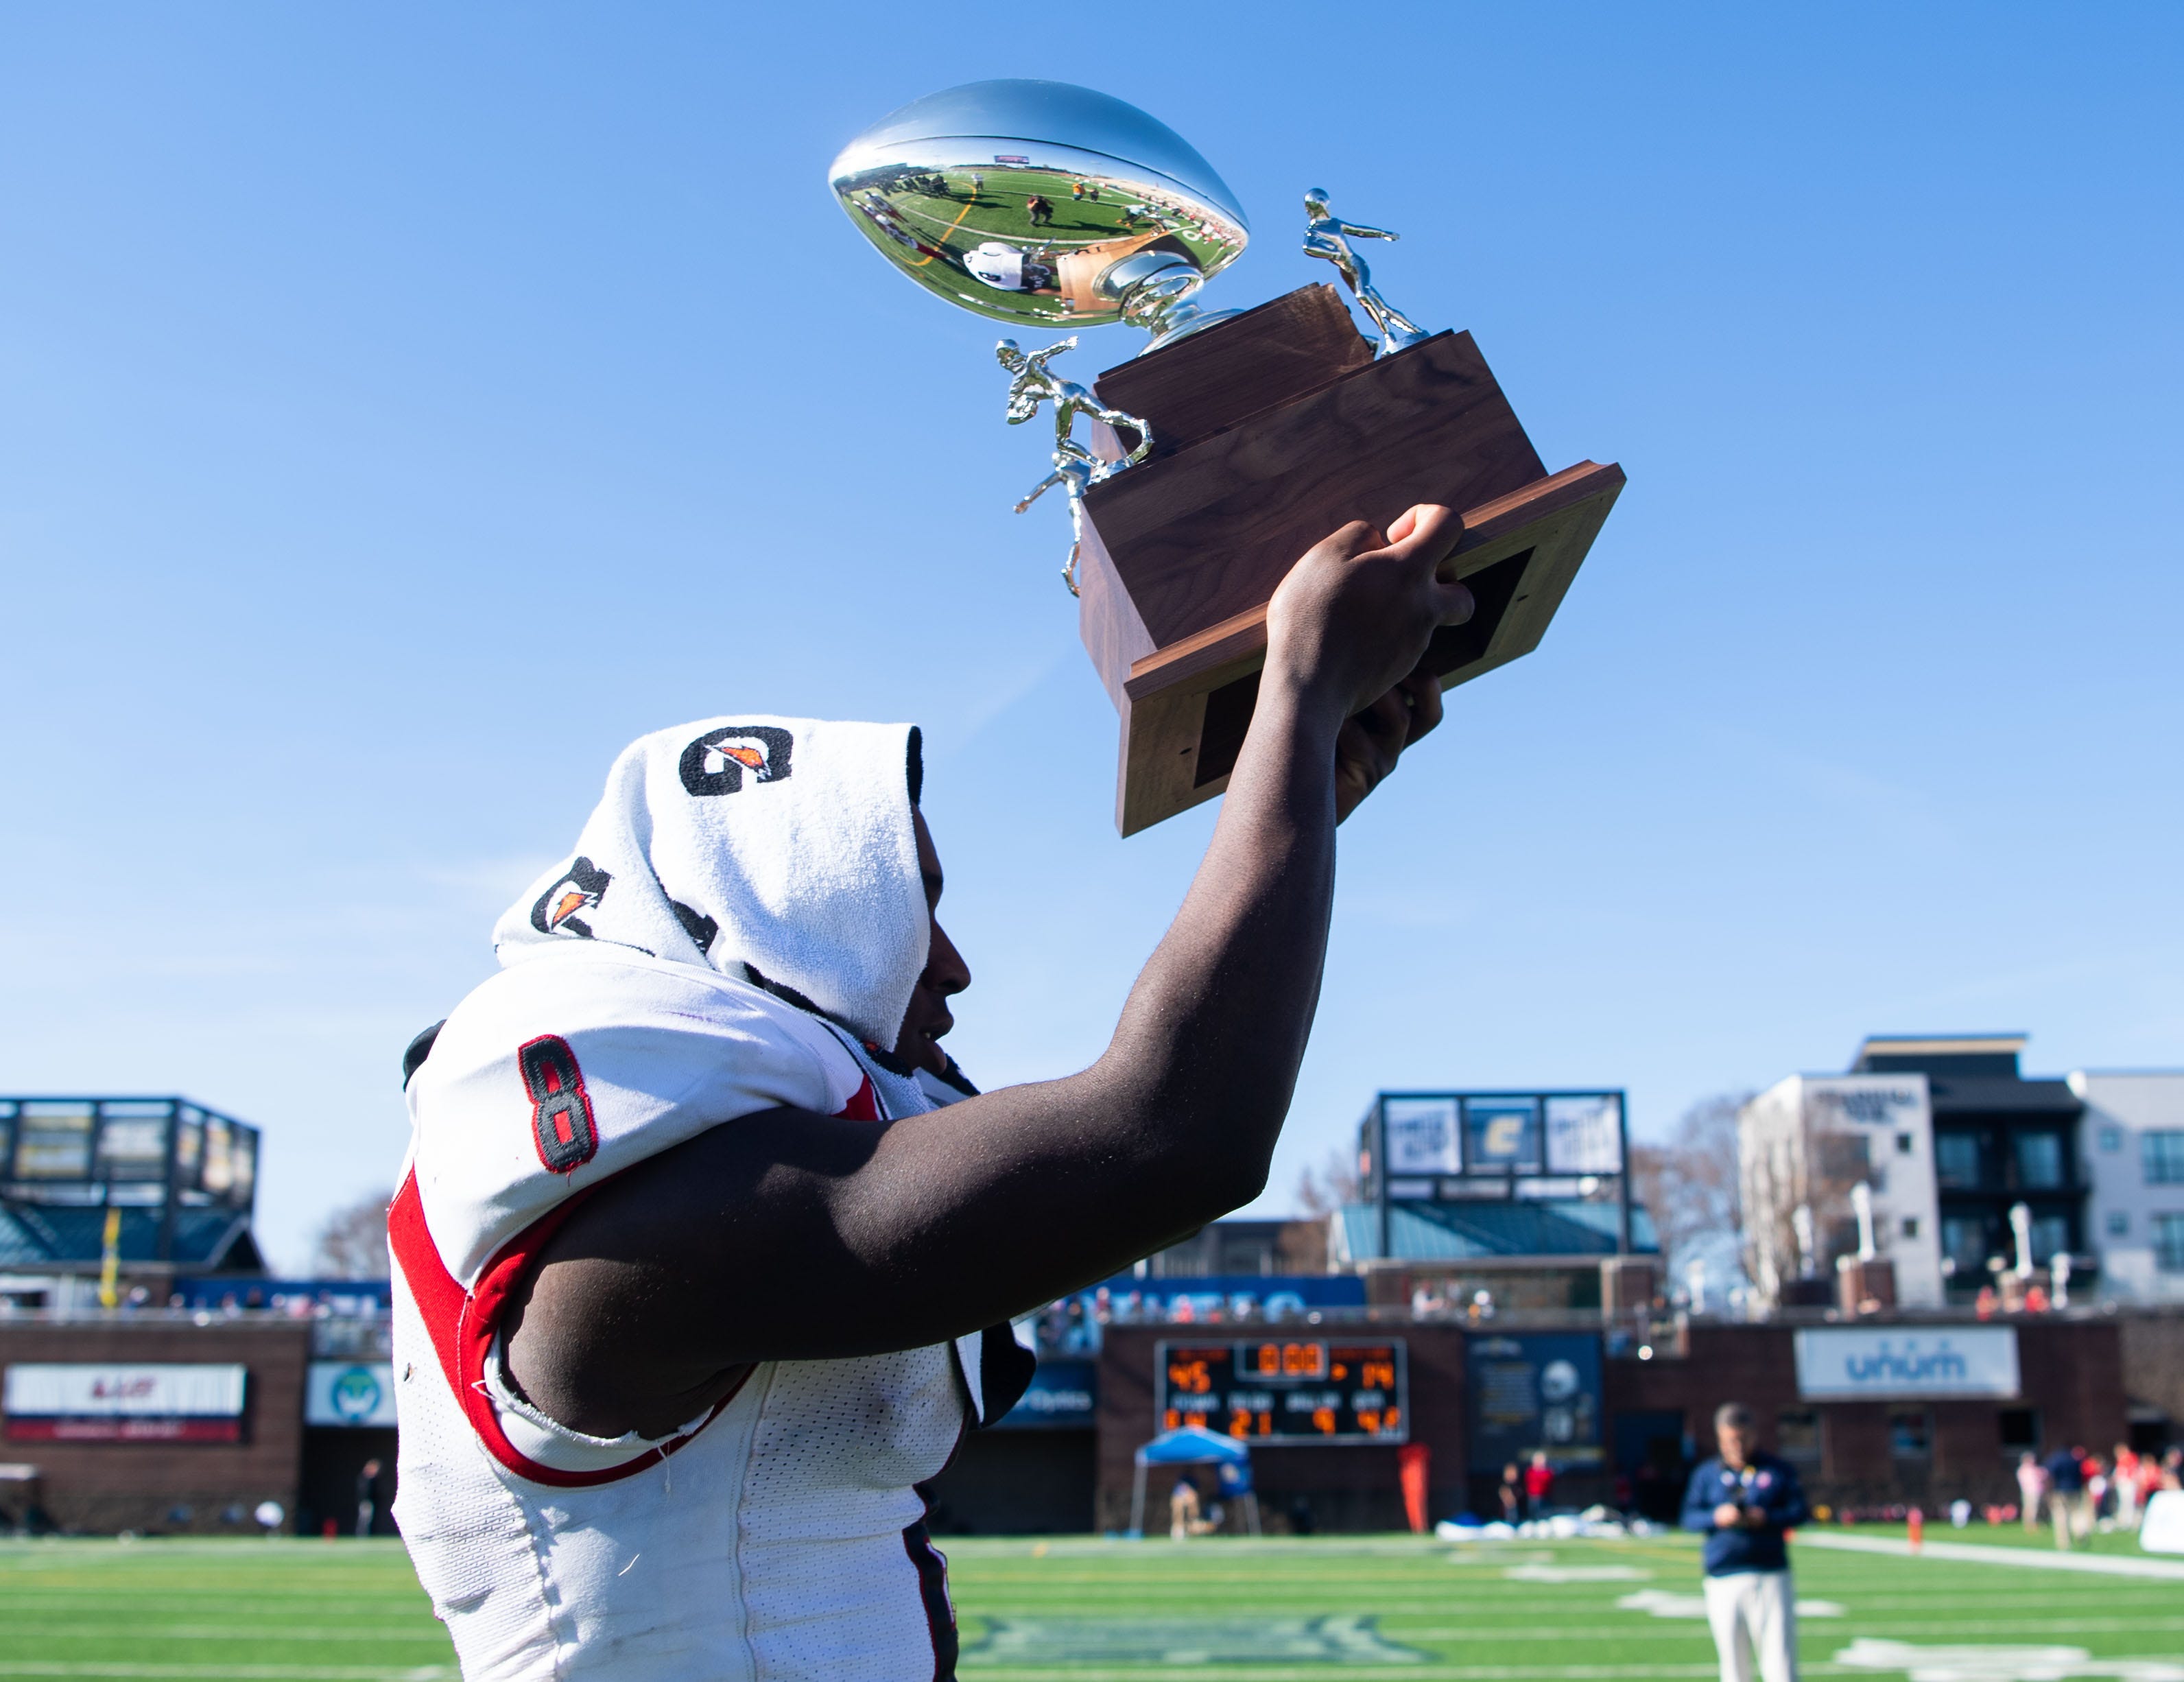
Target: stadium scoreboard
1286 1390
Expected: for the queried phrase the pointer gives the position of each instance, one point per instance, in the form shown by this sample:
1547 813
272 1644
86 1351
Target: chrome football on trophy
1234 439
1044 205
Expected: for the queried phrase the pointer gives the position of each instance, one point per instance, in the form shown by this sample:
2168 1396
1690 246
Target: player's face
1736 1444
946 974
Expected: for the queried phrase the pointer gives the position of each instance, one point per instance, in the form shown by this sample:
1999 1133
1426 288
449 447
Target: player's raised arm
792 1235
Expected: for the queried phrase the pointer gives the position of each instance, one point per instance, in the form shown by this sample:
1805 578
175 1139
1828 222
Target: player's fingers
1432 533
1366 749
1388 719
1358 538
1453 602
1422 690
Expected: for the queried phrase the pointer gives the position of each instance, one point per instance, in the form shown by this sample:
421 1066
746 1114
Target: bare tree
352 1242
1320 1192
1692 1185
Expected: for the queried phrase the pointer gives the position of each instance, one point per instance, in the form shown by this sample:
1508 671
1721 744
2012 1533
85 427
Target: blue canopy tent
1196 1445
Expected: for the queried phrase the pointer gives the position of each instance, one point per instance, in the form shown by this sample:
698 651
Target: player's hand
1729 1515
1372 741
1352 620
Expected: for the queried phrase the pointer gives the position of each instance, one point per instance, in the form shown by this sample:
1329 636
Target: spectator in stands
1539 1484
2148 1480
2066 1491
1512 1493
2031 1486
1743 1501
2099 1487
367 1496
1184 1510
2125 1480
1181 1508
2172 1469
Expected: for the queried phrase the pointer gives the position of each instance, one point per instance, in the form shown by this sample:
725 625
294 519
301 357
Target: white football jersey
780 1536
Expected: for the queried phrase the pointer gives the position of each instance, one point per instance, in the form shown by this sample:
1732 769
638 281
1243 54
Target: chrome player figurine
1328 237
1032 383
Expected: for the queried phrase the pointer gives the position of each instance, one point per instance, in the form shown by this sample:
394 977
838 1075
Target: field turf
1320 1611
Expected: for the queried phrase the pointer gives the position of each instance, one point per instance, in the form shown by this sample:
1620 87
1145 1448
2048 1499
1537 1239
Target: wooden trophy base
1272 430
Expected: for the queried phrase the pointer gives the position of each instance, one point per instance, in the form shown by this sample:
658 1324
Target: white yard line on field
229 1673
1429 1672
1972 1553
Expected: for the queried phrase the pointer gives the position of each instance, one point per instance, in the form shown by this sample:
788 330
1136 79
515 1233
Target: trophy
1234 439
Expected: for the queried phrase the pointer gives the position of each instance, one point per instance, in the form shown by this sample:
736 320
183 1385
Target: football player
691 1267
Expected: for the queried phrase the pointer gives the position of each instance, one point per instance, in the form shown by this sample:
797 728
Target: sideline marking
950 228
229 1672
1972 1553
2002 1664
1663 1603
1577 1573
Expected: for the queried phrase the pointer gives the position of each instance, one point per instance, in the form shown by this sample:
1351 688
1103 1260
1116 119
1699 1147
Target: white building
2131 1146
1804 1145
1956 1146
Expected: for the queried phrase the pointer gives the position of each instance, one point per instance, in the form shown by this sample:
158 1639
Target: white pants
1754 1612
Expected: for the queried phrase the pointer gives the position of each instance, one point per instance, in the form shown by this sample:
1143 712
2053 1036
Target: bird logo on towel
579 888
715 762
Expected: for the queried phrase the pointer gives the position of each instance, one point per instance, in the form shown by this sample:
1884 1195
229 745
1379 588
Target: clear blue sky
402 407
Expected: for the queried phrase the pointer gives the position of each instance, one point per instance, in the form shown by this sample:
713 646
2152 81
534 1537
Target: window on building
2163 1155
1957 1158
1963 1242
1910 1226
1910 1433
1797 1433
2169 1243
55 1143
2111 1138
1905 1144
2119 1223
2020 1430
2040 1161
2051 1237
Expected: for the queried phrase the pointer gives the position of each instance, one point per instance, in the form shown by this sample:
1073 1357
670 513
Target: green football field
1318 1611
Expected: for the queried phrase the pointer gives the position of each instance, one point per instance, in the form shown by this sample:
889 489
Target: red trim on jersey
462 1325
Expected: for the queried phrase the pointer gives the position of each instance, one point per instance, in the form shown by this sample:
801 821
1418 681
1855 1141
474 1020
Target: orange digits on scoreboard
1190 1375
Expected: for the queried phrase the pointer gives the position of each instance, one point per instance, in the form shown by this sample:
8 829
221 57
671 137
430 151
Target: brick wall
2072 1374
2153 1359
136 1486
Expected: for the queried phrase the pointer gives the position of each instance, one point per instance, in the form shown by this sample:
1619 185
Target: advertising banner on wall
1584 1134
1845 1363
1501 1135
1882 1102
358 1394
1423 1135
1532 1390
94 1402
1064 1395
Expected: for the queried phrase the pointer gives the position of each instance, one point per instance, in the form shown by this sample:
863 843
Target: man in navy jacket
1743 1500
